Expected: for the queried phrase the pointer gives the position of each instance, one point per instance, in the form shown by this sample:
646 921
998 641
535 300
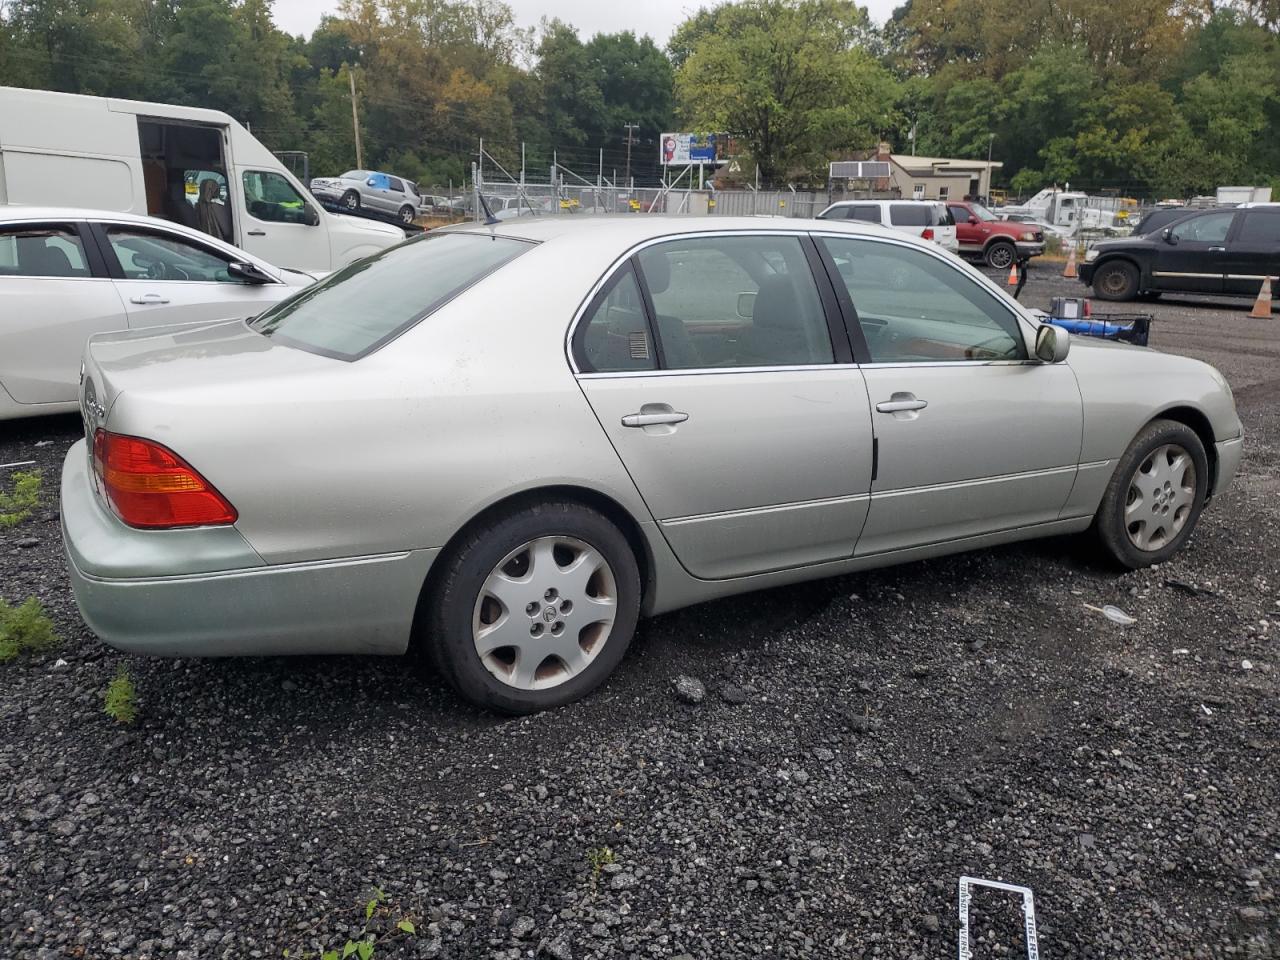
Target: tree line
1149 97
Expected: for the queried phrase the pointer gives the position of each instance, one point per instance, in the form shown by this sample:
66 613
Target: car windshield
355 175
981 212
374 300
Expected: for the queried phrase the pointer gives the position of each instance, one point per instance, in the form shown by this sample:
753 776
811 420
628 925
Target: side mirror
746 305
1052 344
249 272
973 219
371 182
1169 237
310 215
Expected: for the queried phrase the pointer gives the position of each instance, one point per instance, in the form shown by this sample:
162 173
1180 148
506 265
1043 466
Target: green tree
788 79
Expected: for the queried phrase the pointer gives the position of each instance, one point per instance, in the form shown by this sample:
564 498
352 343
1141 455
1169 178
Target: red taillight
1088 310
148 485
928 233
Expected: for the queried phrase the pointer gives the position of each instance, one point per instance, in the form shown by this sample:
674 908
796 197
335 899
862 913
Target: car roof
13 213
846 203
627 229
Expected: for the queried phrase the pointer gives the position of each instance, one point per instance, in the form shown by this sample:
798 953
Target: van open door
184 174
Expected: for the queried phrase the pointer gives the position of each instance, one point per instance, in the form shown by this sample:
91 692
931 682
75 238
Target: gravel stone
690 690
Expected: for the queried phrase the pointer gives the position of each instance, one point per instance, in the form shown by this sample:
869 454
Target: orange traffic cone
1262 306
1070 269
1013 274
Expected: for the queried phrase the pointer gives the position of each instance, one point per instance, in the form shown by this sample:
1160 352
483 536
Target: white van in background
67 150
928 219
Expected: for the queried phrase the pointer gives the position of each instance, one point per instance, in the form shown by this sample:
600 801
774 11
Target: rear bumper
1229 454
204 592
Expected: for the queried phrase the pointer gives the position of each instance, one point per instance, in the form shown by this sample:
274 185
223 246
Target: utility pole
991 138
355 119
630 140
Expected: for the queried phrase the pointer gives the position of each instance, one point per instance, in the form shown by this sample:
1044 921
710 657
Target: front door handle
902 403
1217 249
668 417
149 298
257 233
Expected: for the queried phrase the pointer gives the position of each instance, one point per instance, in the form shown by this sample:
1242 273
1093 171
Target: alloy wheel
1162 493
545 612
1000 256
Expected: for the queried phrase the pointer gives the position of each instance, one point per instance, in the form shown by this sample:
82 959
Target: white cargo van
68 150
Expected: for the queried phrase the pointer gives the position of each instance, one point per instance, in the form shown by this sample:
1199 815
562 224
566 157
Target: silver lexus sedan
506 443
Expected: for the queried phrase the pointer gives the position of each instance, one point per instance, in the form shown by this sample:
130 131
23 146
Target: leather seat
37 259
778 335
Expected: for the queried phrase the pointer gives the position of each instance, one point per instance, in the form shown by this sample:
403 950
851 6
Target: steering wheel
156 270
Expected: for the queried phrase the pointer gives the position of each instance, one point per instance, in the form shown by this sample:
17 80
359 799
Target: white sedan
66 274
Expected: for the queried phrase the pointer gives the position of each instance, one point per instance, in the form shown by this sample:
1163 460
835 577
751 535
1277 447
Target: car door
54 295
278 225
164 277
970 236
397 197
973 437
1253 250
1194 255
720 371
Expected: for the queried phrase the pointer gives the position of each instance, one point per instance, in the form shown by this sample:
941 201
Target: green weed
380 926
24 627
121 700
599 858
18 505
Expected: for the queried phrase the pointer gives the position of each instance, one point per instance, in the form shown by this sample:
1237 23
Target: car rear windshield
913 215
374 300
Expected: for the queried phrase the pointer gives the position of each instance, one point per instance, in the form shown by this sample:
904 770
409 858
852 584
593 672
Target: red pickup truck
998 242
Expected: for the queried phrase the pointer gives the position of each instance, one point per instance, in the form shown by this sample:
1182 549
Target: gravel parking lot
862 743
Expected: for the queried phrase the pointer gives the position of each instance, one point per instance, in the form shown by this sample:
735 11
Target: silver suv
370 191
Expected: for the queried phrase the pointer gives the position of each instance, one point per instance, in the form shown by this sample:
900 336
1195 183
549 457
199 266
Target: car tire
351 201
406 215
1152 503
1001 255
498 555
1115 280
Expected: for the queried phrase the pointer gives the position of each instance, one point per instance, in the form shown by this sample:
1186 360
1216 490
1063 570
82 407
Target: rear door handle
257 233
149 298
1217 249
902 405
654 419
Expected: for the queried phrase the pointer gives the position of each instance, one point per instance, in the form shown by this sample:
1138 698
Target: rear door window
372 301
911 214
52 250
868 213
1260 229
747 301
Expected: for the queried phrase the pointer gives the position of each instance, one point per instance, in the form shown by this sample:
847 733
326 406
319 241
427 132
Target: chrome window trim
1194 276
786 368
617 263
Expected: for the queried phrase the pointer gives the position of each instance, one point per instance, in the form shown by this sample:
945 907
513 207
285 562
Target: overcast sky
657 18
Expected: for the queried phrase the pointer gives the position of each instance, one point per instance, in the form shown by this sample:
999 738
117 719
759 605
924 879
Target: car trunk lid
185 359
